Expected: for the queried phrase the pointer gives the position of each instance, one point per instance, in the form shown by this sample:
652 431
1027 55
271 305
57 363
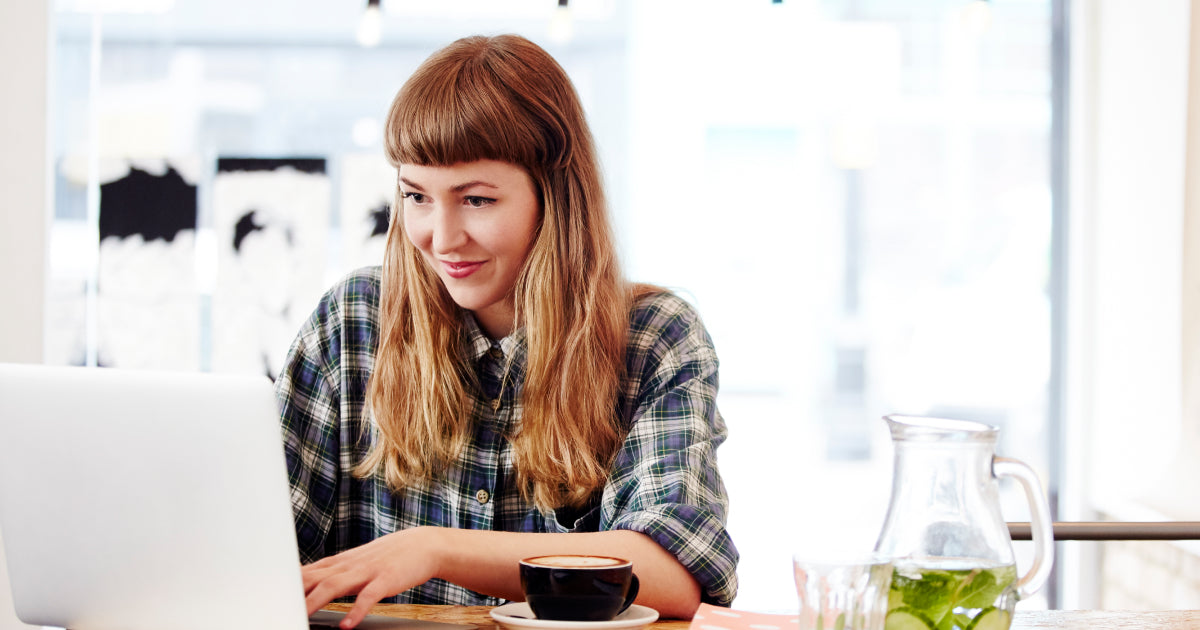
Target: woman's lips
459 270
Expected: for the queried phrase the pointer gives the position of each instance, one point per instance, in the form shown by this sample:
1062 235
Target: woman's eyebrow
472 184
457 187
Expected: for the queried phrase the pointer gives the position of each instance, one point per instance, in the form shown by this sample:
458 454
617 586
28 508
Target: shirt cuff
699 542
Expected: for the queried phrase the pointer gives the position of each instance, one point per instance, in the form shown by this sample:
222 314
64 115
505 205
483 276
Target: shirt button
496 405
496 353
482 496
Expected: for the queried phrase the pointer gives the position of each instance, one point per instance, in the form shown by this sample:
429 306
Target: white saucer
517 616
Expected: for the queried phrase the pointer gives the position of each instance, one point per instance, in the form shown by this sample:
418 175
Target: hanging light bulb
370 27
157 7
977 16
560 30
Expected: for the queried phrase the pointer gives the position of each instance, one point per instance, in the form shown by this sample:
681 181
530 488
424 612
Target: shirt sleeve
310 418
665 482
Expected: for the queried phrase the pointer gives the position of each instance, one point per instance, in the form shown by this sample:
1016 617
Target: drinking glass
843 594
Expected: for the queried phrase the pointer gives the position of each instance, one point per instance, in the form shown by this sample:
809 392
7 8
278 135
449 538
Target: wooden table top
1023 620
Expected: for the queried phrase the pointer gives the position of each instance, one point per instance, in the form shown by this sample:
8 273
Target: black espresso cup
578 588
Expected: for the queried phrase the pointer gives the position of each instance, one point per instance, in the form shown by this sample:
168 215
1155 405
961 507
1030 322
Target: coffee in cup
577 587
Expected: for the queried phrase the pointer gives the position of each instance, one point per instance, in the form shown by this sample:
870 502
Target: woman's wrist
484 561
433 543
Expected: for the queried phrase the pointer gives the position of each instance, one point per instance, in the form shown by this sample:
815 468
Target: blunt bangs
474 101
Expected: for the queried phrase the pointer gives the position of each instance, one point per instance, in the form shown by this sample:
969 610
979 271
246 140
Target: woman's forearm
487 562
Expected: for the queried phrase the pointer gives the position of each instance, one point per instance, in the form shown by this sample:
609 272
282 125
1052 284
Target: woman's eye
479 202
414 197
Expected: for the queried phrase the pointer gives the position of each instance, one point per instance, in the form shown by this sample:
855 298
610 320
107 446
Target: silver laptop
149 500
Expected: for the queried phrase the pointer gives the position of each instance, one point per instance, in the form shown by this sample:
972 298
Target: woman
497 391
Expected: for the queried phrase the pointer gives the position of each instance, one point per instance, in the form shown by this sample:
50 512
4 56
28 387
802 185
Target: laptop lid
146 500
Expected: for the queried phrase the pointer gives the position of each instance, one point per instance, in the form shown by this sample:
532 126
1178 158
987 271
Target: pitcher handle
1039 511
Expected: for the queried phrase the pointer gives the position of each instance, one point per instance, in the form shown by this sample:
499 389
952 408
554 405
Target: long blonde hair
504 98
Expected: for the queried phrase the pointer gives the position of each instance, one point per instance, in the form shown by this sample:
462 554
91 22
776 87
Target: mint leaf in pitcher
948 594
982 590
927 592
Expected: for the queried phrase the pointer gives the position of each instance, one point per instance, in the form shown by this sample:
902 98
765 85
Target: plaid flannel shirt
664 482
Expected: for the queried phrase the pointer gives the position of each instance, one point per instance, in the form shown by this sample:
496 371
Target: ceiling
324 22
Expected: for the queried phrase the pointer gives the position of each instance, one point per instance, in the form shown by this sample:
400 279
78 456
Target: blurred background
962 208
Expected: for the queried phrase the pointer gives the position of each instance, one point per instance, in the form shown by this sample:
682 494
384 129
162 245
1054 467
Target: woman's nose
448 231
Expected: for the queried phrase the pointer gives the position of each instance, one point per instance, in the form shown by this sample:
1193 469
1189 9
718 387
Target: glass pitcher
952 555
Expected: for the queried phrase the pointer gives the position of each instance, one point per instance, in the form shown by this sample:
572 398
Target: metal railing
1115 530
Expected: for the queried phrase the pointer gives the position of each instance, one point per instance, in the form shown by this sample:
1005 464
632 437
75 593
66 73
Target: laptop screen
146 500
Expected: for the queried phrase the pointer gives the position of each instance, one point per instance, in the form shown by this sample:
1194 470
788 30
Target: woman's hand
381 568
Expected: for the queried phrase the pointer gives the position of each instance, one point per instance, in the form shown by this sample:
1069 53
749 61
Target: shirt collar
477 343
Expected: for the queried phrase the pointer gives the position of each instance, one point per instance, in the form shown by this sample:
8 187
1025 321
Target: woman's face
474 223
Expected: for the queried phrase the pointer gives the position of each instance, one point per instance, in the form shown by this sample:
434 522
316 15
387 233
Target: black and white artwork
147 306
271 223
368 190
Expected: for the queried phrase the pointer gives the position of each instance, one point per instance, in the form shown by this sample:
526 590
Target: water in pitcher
951 594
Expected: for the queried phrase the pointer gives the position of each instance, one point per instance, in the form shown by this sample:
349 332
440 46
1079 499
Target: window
856 195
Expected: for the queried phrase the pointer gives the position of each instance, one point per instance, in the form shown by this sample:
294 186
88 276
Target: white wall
1191 247
1127 217
1174 493
24 56
1125 379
